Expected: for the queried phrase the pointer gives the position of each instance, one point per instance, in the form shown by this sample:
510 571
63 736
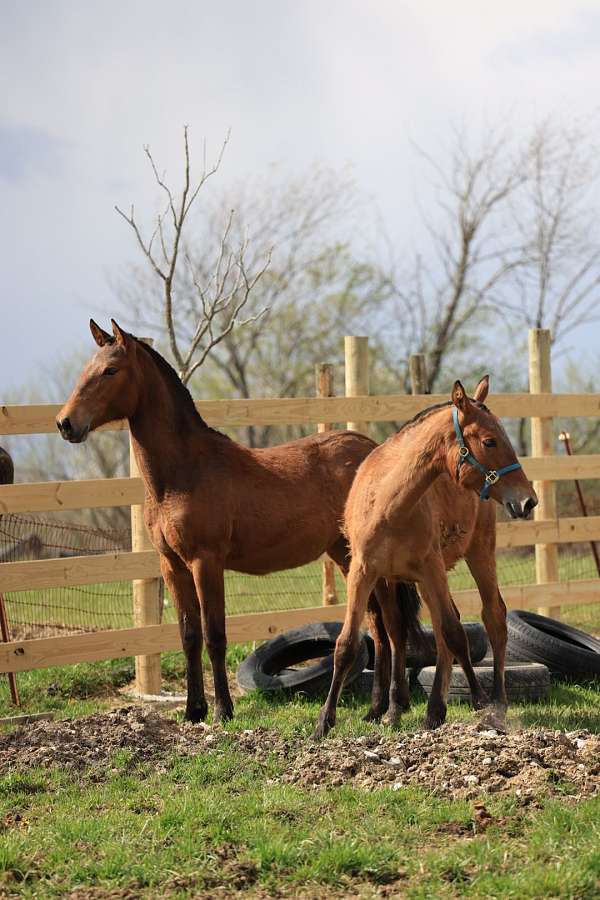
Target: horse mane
179 389
424 413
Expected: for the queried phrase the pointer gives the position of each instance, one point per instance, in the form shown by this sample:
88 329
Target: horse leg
397 632
208 577
360 585
340 554
436 706
451 642
483 569
382 667
183 591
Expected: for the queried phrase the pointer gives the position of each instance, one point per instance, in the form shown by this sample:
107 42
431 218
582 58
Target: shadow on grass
570 707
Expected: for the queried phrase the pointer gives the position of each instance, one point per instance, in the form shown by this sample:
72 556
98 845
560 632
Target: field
234 811
224 821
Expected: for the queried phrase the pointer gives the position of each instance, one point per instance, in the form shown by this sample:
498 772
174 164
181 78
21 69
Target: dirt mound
457 760
93 740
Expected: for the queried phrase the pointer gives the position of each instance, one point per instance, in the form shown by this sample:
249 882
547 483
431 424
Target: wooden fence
142 564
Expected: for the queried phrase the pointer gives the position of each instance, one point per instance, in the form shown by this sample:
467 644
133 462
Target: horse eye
110 371
489 442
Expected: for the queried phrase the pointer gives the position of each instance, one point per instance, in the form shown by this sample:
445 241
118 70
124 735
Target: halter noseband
490 476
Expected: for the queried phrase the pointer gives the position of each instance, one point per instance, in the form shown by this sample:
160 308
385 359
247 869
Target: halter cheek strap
491 476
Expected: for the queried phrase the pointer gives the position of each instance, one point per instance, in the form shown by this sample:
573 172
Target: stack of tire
537 648
280 664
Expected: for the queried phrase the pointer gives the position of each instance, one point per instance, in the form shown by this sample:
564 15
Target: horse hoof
393 716
224 713
494 718
322 728
433 722
196 714
481 701
321 731
374 715
435 718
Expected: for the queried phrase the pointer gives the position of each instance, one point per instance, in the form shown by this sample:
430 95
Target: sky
84 86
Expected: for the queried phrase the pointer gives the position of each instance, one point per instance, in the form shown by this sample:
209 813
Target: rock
370 754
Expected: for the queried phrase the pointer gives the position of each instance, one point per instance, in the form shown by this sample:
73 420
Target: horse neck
162 431
423 451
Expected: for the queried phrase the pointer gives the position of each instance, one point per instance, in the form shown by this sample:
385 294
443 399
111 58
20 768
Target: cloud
26 151
564 43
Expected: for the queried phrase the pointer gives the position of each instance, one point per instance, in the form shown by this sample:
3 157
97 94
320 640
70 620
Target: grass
222 821
212 823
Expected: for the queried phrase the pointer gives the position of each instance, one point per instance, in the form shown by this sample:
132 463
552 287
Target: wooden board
40 419
105 567
46 496
548 531
20 656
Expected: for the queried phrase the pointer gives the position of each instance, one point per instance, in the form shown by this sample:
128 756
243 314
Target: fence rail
57 496
40 419
21 656
39 574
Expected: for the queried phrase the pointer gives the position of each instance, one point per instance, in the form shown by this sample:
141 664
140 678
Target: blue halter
490 476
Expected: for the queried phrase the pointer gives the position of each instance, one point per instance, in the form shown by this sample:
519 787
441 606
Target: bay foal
411 513
210 503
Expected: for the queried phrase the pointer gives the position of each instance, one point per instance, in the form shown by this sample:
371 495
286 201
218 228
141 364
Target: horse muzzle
71 433
521 508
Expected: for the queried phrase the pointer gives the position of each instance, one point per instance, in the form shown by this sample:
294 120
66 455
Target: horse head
481 457
107 389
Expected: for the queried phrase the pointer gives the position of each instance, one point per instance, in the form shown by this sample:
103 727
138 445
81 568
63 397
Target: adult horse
411 514
210 503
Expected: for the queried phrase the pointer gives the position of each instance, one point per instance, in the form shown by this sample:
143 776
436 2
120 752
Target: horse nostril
529 504
65 426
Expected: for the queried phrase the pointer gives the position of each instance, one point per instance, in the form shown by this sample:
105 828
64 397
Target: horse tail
409 602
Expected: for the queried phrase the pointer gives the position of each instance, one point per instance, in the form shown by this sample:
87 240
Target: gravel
457 760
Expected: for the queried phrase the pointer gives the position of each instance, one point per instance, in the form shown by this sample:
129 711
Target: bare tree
221 293
445 297
512 240
314 290
558 284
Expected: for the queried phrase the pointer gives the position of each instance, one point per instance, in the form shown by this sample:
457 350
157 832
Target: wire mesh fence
64 610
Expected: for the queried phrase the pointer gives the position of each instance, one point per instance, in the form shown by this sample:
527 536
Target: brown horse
412 514
210 503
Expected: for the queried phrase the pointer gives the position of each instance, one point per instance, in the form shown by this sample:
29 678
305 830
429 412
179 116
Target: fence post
146 591
542 444
356 351
324 388
417 368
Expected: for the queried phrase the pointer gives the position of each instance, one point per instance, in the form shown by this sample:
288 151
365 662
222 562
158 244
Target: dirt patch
457 760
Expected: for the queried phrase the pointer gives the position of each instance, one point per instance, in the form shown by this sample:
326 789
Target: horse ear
101 336
121 337
459 396
481 391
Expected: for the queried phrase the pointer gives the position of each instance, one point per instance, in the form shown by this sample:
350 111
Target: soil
457 760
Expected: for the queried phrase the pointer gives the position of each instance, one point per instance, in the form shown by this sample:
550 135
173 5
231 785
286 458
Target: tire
271 666
418 658
565 650
524 681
